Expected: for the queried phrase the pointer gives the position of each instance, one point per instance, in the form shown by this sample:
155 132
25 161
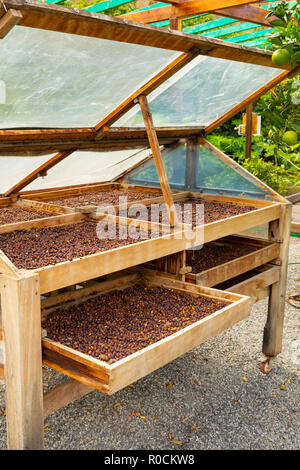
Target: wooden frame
85 23
21 289
111 378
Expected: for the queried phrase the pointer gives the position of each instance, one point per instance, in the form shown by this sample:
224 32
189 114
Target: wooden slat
8 21
160 167
57 18
62 219
257 287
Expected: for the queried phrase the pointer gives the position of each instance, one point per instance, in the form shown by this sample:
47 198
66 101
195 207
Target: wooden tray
111 378
258 285
263 252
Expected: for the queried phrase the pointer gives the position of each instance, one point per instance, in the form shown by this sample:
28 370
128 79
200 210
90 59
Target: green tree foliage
286 35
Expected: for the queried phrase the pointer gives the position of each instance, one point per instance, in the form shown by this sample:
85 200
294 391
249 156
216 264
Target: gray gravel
217 388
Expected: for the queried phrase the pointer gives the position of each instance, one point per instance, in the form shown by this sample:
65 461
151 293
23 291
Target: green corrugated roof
228 29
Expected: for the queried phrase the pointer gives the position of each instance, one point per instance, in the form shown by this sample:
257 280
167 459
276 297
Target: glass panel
201 92
211 174
13 169
89 167
52 79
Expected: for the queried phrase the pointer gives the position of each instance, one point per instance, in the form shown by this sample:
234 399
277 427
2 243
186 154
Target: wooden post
160 167
175 22
249 111
191 163
278 230
21 317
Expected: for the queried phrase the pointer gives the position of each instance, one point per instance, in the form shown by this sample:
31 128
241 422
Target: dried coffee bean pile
104 197
10 215
115 325
236 280
213 211
50 245
213 254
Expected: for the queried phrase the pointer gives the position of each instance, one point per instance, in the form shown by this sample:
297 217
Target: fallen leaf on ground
184 420
244 379
282 387
3 412
169 384
178 443
196 427
116 404
138 414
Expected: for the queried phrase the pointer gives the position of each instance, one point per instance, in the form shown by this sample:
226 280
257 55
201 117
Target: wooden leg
21 317
272 341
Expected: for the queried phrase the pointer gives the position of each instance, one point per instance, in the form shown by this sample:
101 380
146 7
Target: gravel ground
214 397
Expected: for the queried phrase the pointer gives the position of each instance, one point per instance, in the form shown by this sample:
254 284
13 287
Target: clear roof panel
52 79
201 92
89 167
212 175
14 169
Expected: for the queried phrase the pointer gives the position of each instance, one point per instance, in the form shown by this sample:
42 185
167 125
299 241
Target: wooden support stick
21 317
191 161
279 229
8 21
249 110
160 167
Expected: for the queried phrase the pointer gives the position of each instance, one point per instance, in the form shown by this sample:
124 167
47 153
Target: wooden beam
250 13
183 10
249 111
21 317
8 21
113 139
46 134
57 18
36 173
243 104
147 88
63 394
160 167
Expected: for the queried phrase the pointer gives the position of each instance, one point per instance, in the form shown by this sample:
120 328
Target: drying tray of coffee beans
125 332
228 257
67 253
220 260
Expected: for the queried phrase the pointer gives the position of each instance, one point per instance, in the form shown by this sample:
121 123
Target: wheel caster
266 366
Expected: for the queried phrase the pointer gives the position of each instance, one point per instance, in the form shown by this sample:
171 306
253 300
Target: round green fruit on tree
281 57
290 138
